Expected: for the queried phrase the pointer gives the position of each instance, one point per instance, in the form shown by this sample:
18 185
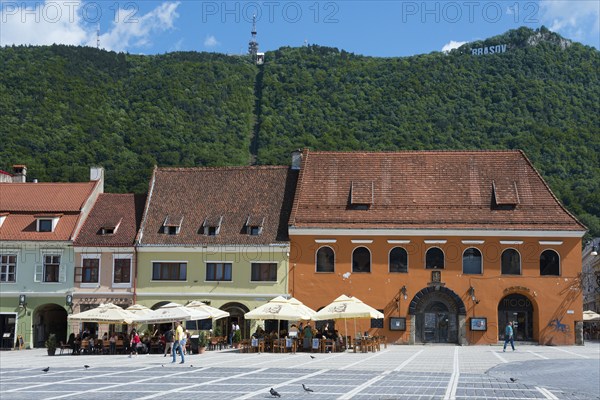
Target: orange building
449 245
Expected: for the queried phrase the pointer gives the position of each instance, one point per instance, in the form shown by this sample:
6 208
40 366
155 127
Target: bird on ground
513 379
163 365
46 369
86 366
306 388
312 357
274 393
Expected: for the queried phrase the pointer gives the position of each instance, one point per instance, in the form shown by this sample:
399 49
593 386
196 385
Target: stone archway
236 314
49 318
437 315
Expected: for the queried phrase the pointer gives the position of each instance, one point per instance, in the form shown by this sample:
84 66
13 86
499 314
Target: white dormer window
2 218
212 226
172 225
46 223
254 225
110 228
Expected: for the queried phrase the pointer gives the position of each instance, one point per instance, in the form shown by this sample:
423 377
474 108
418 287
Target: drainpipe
135 276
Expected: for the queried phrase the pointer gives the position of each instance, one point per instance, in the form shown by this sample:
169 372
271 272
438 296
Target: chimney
296 159
19 173
97 174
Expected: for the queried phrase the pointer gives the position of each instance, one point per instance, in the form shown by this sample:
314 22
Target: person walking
509 336
169 339
177 344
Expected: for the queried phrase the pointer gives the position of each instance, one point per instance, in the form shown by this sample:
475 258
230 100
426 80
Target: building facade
217 235
38 223
105 256
450 246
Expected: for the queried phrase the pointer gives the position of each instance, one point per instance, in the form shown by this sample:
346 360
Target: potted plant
51 344
202 342
237 338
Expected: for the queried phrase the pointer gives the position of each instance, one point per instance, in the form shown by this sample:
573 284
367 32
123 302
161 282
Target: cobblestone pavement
398 372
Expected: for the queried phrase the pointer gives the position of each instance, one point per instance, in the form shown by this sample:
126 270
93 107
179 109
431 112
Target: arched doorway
236 314
47 319
518 309
437 316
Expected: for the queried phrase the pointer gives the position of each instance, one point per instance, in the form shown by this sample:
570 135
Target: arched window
361 260
549 263
472 261
511 262
398 260
325 259
434 258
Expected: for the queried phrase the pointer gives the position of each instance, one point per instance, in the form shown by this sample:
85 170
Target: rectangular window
51 268
8 268
264 272
122 270
169 271
90 270
45 225
218 272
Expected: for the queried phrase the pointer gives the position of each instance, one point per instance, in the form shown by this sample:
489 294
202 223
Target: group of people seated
129 343
303 334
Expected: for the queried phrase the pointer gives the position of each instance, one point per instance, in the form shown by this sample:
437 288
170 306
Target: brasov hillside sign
499 48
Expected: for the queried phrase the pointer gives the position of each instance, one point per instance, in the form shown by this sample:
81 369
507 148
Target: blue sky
376 28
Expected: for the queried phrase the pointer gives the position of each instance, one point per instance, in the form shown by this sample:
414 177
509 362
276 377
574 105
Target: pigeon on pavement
312 357
513 379
46 369
86 366
274 393
306 388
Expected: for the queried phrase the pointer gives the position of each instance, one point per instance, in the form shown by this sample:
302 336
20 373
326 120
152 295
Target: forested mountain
64 108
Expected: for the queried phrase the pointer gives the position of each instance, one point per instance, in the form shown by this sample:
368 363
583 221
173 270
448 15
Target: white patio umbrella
214 312
590 315
139 310
345 307
104 314
281 308
171 312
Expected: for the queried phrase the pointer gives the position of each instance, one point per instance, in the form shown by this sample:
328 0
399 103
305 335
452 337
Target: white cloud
61 22
452 45
576 19
211 41
43 24
133 31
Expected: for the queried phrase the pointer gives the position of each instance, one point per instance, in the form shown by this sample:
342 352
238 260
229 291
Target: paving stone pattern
398 372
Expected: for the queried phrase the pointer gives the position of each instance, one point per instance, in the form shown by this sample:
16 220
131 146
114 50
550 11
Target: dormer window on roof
254 225
212 225
505 195
172 224
110 227
361 195
46 222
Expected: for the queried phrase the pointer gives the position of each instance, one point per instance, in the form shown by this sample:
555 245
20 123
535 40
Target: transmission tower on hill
258 58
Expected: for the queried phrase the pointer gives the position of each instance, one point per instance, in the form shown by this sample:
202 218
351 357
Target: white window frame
463 261
370 261
40 270
91 284
217 280
54 221
8 254
121 257
187 270
262 262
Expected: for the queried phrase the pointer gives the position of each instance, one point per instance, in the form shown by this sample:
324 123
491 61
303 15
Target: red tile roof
110 210
197 195
24 201
427 190
44 197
